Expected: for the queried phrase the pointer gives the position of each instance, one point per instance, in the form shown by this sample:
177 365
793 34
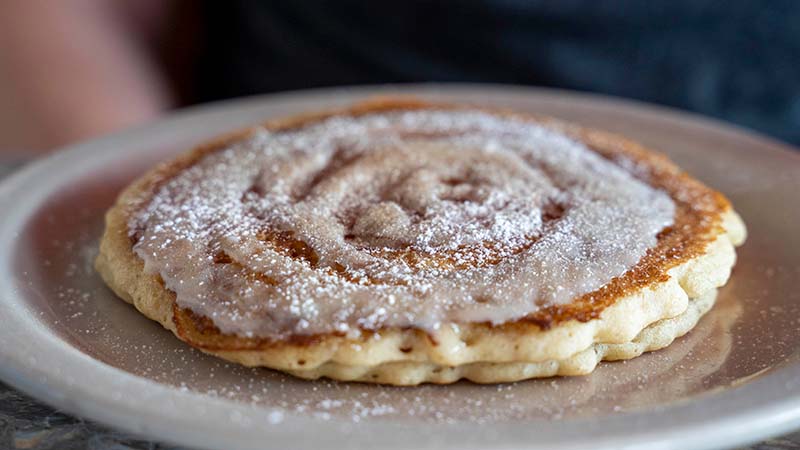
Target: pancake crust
640 311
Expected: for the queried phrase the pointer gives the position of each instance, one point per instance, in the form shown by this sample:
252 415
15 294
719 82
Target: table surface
26 423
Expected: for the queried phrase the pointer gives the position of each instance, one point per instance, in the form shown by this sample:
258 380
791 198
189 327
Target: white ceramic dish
67 340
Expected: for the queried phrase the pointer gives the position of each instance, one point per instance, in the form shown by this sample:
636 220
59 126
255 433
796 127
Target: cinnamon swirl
402 242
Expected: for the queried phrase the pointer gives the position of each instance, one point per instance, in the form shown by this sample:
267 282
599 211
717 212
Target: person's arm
71 69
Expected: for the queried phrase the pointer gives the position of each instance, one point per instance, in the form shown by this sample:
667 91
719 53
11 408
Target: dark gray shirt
736 60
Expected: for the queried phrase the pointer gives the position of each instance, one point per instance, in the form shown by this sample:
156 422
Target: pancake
403 242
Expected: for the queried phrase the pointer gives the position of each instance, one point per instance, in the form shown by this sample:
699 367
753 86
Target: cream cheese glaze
394 219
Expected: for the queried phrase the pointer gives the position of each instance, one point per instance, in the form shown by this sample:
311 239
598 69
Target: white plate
67 340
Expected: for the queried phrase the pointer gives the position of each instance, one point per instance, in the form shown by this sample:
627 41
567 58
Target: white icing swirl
400 219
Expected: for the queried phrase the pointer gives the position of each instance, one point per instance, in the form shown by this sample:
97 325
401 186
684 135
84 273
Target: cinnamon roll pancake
403 242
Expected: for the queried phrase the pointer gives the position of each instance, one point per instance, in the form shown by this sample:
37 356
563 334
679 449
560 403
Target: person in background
72 69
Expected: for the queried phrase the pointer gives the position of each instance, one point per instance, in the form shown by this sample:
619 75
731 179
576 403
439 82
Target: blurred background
72 69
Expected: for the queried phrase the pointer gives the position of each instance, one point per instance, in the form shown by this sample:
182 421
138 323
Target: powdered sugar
394 219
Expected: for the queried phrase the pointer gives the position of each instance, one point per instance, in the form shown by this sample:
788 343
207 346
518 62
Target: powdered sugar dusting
394 220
